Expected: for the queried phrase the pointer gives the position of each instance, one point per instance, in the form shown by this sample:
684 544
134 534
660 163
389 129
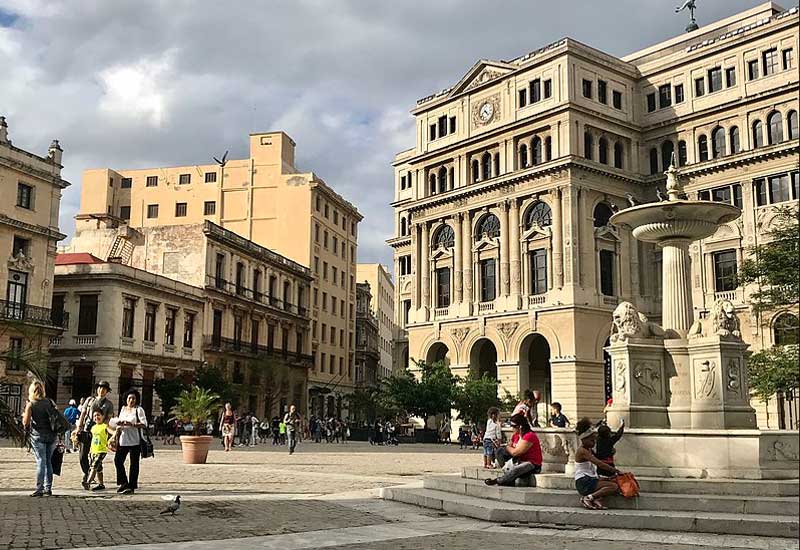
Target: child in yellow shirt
98 451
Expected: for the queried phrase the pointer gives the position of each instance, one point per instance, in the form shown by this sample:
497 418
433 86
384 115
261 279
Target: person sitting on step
524 450
587 482
604 448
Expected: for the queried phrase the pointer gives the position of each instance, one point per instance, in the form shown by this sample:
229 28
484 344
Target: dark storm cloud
144 83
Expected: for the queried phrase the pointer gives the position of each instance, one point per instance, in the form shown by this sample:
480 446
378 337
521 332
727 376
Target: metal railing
33 315
251 349
243 292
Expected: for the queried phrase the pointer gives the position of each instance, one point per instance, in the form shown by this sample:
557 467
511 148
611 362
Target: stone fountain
682 387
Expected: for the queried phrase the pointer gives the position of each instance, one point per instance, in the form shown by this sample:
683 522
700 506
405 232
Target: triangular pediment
442 253
607 232
535 231
486 243
482 72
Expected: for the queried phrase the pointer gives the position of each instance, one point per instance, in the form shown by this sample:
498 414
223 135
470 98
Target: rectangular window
737 195
442 132
128 316
714 80
523 97
452 125
678 93
150 322
125 212
536 91
332 364
216 328
488 280
725 271
730 77
602 92
779 190
169 326
616 99
240 279
443 287
57 310
664 96
185 179
587 88
721 194
770 58
211 177
125 183
539 271
180 209
21 244
760 190
432 132
152 181
188 329
152 211
25 196
752 69
788 59
209 208
607 272
548 88
87 314
651 102
699 87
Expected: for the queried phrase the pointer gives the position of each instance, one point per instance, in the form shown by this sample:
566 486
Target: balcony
485 307
85 340
441 312
729 295
250 295
250 349
33 315
536 300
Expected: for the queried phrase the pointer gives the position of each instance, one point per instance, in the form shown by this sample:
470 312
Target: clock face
486 112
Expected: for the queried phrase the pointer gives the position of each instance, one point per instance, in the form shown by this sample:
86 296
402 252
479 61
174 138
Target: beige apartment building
382 307
266 200
30 197
505 260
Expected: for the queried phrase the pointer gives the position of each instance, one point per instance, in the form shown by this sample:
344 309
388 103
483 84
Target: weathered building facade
367 339
382 307
505 261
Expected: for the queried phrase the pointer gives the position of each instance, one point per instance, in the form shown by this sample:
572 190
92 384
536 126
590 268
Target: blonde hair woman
43 439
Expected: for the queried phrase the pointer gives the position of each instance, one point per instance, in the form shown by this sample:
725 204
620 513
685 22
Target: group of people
331 430
251 431
521 459
383 432
93 430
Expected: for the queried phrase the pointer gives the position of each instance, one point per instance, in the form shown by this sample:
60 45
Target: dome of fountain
656 222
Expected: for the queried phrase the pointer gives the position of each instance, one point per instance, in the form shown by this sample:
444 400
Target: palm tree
195 406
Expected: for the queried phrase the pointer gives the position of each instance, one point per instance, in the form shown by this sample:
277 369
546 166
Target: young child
557 419
98 451
604 449
492 437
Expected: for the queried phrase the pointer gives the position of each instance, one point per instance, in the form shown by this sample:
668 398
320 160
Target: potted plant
195 406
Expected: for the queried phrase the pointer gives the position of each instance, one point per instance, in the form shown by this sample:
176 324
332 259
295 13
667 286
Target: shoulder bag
58 422
628 486
145 445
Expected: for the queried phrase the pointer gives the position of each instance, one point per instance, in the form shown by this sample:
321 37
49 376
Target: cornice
38 229
31 171
744 158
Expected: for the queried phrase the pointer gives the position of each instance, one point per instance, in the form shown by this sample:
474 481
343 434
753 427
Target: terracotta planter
195 448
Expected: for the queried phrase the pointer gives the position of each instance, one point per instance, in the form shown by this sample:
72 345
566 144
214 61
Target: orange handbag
628 486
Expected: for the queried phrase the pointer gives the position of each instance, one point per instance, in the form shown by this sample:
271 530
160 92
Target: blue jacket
72 414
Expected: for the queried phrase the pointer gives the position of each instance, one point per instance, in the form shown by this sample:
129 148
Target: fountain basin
656 222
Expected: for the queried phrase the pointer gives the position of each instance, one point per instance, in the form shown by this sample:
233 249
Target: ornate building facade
382 307
505 261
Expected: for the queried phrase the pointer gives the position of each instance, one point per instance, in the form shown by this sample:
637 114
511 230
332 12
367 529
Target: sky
142 83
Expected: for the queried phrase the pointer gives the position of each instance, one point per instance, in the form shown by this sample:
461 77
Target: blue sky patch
7 18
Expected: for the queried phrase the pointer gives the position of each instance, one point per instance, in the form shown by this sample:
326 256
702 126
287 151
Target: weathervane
690 5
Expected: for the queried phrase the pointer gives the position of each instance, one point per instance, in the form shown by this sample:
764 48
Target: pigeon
614 208
661 196
631 200
173 507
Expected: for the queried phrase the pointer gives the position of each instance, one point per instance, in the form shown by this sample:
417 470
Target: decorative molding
706 380
507 329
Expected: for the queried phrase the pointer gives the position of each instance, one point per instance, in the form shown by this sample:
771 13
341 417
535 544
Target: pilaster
516 278
504 277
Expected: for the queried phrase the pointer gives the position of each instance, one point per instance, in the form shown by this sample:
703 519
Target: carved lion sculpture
723 322
629 323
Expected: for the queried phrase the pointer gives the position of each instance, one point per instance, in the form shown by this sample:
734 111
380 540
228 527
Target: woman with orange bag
587 482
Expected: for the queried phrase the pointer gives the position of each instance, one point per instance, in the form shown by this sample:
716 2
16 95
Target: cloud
135 83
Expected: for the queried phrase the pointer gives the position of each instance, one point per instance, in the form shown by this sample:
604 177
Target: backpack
58 422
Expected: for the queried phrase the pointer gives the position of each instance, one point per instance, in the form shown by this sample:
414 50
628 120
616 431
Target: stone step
656 502
672 485
683 522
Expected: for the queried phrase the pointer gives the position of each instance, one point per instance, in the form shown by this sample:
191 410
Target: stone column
426 269
676 302
466 261
516 278
457 258
504 280
414 271
558 243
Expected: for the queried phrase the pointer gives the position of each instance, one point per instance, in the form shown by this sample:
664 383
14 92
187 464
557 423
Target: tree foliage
195 406
274 378
772 370
473 396
168 391
427 395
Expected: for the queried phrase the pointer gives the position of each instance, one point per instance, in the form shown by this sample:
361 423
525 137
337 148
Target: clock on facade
486 112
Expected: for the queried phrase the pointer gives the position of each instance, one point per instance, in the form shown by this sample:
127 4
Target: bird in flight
173 507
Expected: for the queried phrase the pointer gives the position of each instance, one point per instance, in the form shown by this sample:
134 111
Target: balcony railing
441 312
250 349
730 295
536 300
85 340
245 293
33 315
485 307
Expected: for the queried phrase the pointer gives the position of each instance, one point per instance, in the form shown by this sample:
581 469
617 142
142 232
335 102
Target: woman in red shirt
526 452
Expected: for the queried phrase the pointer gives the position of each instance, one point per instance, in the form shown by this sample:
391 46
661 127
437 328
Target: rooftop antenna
691 6
223 161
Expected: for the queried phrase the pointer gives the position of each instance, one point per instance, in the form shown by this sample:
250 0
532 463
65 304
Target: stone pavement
322 497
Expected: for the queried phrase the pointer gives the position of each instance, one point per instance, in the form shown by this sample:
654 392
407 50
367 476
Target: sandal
599 505
588 503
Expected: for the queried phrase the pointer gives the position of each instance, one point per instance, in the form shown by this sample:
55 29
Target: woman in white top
587 482
129 423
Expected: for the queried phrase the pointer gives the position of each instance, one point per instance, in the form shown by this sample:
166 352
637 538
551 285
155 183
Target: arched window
758 134
653 161
523 155
548 147
486 166
618 155
444 238
666 154
702 148
488 226
785 329
536 151
476 170
452 178
538 214
791 124
602 154
717 142
588 145
683 155
602 213
432 183
775 125
442 179
733 139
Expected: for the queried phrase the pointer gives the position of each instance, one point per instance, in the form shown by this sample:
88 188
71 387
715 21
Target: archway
534 369
438 352
483 358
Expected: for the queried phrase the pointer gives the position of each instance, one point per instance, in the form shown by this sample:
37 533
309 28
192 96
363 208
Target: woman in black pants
129 424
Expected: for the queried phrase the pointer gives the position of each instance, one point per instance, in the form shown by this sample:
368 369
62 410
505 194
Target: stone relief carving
630 323
620 377
459 334
476 110
507 329
733 376
705 382
722 322
559 448
648 377
20 262
782 451
484 76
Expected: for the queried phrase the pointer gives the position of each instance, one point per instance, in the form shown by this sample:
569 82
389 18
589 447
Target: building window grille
184 179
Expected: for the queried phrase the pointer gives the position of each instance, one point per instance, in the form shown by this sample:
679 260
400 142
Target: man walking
292 422
83 431
71 413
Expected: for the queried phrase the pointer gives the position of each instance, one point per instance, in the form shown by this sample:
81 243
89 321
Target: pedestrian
129 424
492 437
526 453
276 430
98 450
254 423
557 418
227 425
291 422
587 481
97 402
36 418
604 448
527 406
282 432
71 413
